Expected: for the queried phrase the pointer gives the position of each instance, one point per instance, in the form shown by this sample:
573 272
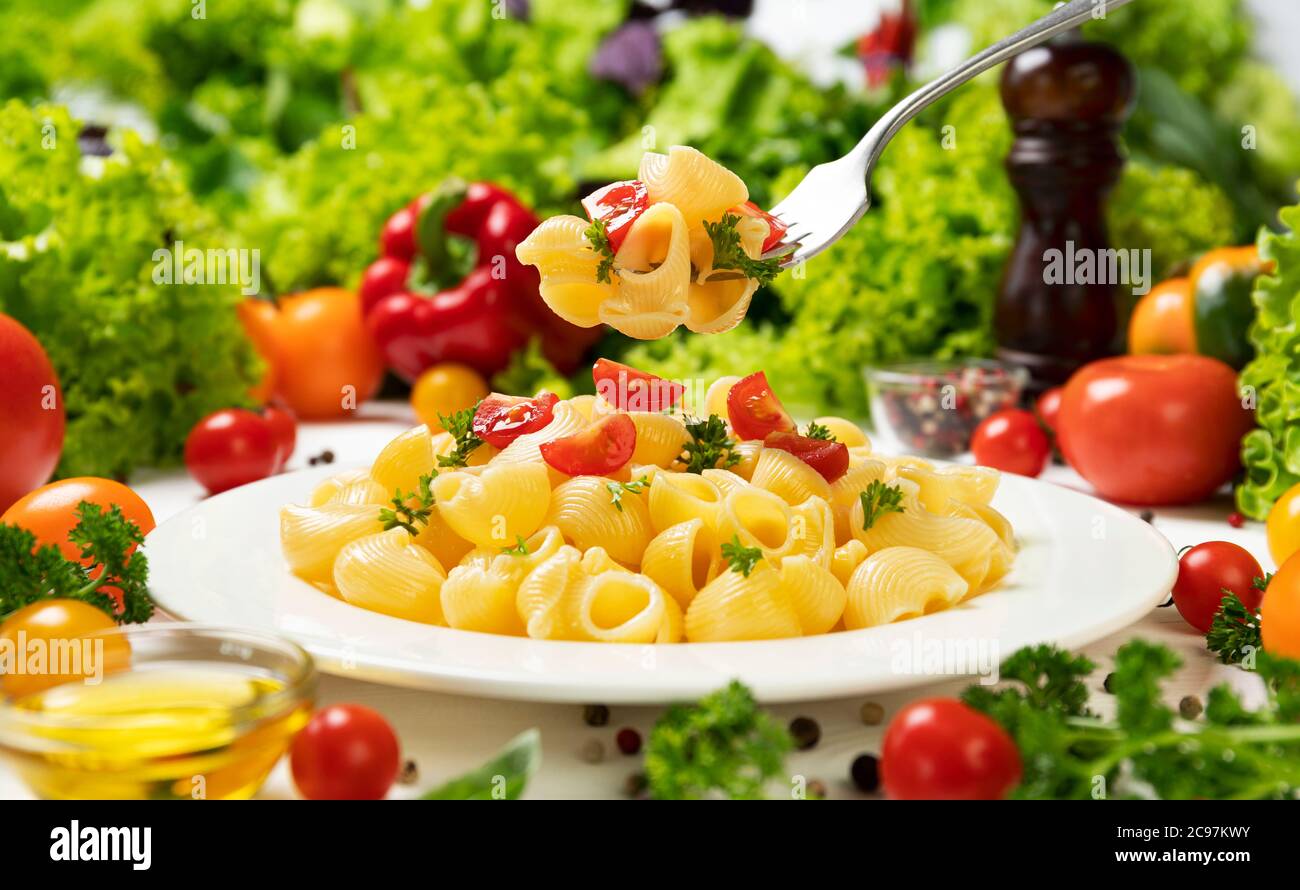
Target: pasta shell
898 583
737 607
680 560
325 491
846 558
680 497
311 537
788 477
496 505
389 573
660 438
699 187
404 460
583 509
817 596
845 431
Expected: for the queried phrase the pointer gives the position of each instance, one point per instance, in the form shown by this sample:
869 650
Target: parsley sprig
460 425
879 499
409 511
709 446
728 254
107 540
1234 634
520 548
739 557
817 431
617 489
598 237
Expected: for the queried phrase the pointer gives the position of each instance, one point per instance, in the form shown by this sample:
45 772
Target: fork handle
1063 18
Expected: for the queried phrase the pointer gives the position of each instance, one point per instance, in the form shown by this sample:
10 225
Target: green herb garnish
739 557
817 431
878 500
709 445
1235 633
598 236
460 425
109 561
520 548
616 490
728 254
408 515
504 777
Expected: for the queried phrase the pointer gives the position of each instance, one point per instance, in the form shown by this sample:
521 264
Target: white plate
1085 570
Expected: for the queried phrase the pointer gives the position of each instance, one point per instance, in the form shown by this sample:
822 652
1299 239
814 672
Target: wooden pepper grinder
1067 101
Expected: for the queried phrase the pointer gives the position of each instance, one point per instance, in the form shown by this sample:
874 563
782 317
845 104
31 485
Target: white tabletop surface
446 734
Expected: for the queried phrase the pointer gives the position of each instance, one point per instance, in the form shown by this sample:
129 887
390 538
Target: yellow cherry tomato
1279 612
445 389
39 636
1284 525
1162 321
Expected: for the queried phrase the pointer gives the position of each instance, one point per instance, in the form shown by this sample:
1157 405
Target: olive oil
160 731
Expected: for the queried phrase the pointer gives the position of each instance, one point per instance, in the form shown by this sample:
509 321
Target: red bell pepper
890 45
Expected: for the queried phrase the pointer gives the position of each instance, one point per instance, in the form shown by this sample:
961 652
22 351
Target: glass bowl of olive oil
195 712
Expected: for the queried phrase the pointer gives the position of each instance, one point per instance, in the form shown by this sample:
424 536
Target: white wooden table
446 734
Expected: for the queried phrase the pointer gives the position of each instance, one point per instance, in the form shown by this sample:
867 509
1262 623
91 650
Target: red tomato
386 275
600 449
1279 612
284 427
1012 441
231 447
1048 407
831 459
397 239
618 204
628 389
754 410
775 228
500 419
1206 573
940 749
345 752
31 413
1154 429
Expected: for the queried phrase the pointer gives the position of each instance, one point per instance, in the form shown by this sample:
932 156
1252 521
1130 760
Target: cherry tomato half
1279 612
618 204
345 752
1205 572
1048 407
600 449
941 749
1012 441
830 459
501 419
754 410
628 389
55 621
386 275
775 228
231 447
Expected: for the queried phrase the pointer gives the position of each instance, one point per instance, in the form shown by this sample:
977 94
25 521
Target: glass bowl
192 712
931 408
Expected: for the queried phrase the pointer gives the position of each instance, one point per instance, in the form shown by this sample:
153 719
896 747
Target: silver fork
834 196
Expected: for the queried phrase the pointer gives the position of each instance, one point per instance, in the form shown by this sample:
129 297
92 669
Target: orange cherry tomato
1163 322
1279 612
325 362
444 389
1284 525
50 512
42 628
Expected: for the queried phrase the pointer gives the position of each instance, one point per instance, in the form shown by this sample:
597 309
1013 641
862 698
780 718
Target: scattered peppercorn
865 772
409 775
628 740
1148 516
1105 684
634 784
871 713
805 732
327 456
1236 520
1189 707
592 751
816 790
595 715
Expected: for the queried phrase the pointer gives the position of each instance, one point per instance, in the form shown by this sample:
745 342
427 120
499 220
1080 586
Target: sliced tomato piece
600 449
628 389
501 419
618 204
754 410
831 459
775 228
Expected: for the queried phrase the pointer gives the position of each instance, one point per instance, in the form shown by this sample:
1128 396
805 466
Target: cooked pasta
623 545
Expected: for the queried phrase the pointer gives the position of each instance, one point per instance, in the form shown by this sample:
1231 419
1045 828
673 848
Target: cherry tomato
754 410
598 450
1284 525
386 275
284 428
1279 612
397 239
345 752
231 447
55 621
1206 572
775 228
50 512
31 413
618 204
1012 441
445 389
1154 429
1162 321
628 389
1048 407
500 419
940 749
830 459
